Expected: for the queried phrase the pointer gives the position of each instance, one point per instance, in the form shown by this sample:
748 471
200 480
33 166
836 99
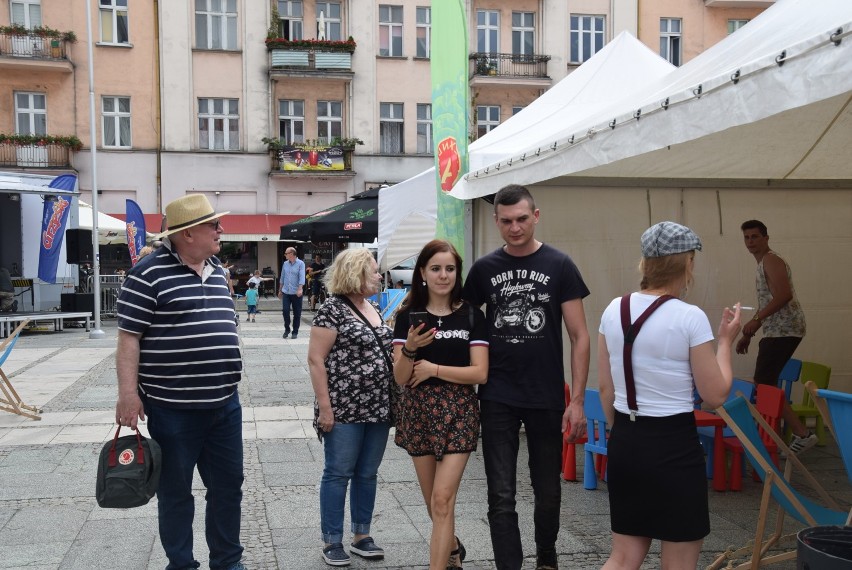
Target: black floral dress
359 379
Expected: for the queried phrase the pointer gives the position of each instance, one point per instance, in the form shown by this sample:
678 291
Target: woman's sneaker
800 444
335 555
367 548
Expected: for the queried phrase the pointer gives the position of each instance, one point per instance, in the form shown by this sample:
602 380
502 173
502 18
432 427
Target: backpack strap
630 331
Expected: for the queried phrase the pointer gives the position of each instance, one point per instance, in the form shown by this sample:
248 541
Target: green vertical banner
450 100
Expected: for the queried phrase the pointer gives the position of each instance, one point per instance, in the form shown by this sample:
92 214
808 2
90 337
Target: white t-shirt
661 369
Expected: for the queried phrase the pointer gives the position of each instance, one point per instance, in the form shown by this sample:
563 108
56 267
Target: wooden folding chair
10 401
743 419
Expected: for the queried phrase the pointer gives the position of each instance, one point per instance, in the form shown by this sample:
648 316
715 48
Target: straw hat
188 211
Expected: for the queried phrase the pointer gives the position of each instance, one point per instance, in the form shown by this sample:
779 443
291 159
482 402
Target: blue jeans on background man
501 426
212 440
291 301
353 452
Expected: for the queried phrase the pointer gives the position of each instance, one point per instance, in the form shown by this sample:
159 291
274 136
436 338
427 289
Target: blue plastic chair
10 401
743 419
840 420
596 434
789 375
706 435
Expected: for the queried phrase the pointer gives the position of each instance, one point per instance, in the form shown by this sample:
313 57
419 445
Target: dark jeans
501 426
292 301
212 440
772 354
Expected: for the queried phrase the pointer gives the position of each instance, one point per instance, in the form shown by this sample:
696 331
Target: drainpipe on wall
158 107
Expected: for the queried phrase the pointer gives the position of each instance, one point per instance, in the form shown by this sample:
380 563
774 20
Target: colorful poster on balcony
311 158
135 222
450 100
53 221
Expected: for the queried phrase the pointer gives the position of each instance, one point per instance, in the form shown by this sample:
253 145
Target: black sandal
460 552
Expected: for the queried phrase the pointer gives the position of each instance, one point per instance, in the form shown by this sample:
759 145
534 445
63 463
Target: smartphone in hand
416 318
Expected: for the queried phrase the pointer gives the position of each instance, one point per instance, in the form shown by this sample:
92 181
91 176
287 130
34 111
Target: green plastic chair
819 374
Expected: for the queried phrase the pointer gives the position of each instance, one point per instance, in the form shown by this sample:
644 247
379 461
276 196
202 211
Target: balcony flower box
346 46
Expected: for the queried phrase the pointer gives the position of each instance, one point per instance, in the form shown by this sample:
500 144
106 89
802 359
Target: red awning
238 227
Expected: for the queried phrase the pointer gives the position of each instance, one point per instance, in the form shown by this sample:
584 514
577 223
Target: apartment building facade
222 96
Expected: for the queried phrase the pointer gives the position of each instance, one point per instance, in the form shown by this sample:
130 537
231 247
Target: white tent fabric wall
733 112
773 146
615 70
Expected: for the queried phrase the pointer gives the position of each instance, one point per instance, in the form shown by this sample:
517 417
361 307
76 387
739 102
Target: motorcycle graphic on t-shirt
521 312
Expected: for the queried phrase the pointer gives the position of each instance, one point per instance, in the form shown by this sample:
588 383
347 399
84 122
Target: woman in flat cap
653 350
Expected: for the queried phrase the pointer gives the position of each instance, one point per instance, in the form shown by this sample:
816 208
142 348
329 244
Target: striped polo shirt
189 347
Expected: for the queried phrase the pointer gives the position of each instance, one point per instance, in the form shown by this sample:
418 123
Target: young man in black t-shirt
529 290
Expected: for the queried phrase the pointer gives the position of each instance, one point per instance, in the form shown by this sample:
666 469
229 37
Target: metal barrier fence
110 287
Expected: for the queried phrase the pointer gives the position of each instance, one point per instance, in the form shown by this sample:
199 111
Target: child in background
251 300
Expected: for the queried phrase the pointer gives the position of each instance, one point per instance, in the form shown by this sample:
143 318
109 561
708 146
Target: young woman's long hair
418 296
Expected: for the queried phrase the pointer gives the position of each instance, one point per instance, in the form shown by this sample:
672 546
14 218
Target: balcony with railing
311 58
32 151
39 48
509 68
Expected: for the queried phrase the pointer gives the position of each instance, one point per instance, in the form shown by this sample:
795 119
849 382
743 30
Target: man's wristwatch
757 318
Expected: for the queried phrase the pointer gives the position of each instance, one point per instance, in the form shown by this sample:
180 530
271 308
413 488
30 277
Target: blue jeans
352 452
501 426
212 440
292 301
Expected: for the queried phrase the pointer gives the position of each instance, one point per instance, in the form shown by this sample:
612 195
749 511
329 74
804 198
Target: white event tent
408 210
110 230
757 127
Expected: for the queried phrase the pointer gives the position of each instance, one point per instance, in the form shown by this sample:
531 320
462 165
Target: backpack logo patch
126 457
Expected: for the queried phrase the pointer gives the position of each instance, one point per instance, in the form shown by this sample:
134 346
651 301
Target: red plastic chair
569 450
770 402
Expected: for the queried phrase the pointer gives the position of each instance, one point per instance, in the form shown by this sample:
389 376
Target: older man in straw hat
179 363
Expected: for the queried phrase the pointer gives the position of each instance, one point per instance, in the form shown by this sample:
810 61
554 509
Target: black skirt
657 479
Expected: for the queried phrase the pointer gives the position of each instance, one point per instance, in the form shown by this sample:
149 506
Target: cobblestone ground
49 518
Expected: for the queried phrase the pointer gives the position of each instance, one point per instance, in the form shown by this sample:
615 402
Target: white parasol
321 26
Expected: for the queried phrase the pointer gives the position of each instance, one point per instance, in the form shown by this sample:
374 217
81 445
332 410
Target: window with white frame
586 37
291 121
523 33
734 25
290 14
670 36
113 15
30 113
116 121
390 30
391 132
487 118
26 13
424 31
487 31
216 24
516 109
329 120
330 12
424 129
219 124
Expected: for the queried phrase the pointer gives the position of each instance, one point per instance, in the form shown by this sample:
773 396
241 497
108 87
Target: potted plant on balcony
347 45
482 65
70 142
348 146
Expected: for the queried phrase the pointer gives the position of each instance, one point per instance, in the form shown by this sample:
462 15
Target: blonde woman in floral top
349 363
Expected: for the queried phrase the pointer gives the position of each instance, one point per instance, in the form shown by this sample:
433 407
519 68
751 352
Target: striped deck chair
743 419
10 401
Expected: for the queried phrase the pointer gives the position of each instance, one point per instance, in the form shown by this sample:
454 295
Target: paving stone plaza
49 518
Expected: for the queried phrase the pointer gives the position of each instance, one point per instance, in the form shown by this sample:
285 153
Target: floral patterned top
359 379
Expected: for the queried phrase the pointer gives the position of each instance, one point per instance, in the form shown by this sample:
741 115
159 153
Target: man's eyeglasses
217 225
